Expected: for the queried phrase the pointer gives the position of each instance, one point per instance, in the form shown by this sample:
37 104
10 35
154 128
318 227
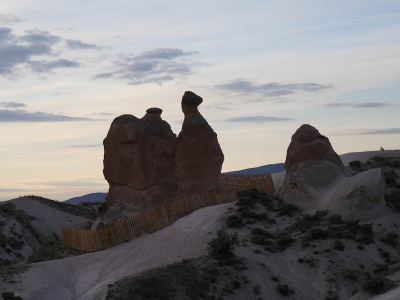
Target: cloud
369 131
257 119
8 19
21 50
20 115
84 146
154 66
46 66
103 114
219 105
272 89
11 104
10 190
79 45
71 183
359 105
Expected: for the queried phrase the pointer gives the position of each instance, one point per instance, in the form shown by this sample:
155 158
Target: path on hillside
86 277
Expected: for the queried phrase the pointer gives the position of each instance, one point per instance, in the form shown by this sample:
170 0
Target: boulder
313 168
360 197
199 156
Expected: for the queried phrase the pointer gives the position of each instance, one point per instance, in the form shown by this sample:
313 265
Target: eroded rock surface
317 179
359 197
146 165
199 156
313 168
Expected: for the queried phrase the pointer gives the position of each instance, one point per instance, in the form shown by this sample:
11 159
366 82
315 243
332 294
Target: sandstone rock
146 165
139 161
199 156
317 179
312 168
360 197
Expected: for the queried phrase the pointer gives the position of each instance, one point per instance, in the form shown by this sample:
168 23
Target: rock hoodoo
199 157
317 179
146 165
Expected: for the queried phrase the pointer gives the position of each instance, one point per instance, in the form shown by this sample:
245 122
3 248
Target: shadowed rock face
146 165
199 156
317 179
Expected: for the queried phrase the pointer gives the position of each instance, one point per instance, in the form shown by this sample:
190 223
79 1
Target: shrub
284 289
224 243
391 238
355 164
102 208
259 231
43 255
287 209
378 285
339 246
10 296
234 221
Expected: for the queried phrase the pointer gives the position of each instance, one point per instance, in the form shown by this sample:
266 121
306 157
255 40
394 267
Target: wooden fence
82 238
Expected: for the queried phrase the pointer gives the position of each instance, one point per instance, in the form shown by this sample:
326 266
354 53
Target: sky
263 68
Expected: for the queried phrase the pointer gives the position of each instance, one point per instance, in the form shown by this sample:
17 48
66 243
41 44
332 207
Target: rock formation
146 165
312 168
317 179
359 197
199 157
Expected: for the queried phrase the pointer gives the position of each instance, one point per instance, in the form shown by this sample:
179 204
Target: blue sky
263 68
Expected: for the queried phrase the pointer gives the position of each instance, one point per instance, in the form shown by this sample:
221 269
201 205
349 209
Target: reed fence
82 238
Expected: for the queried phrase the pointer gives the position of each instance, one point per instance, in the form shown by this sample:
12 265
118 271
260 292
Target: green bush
378 285
10 296
224 243
234 221
355 164
284 290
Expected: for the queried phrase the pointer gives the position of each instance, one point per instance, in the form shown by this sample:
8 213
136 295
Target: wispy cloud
79 45
359 105
10 190
102 114
369 131
71 183
257 119
8 19
20 115
154 66
271 89
12 104
84 146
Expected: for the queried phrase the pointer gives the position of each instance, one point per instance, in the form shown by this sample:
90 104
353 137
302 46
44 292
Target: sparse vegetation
378 285
223 244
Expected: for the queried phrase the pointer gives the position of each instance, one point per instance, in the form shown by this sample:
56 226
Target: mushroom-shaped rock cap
154 110
191 99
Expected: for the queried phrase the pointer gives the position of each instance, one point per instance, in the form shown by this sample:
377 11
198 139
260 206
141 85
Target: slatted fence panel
82 238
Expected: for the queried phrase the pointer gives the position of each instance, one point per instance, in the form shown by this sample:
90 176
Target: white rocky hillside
284 254
27 224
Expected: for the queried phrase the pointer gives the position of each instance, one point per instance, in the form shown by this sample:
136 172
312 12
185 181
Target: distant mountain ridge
92 197
272 168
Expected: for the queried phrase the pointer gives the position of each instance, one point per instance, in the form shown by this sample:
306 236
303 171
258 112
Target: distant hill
273 168
93 197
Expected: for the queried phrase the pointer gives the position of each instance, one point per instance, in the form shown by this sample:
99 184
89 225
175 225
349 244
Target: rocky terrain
284 253
30 231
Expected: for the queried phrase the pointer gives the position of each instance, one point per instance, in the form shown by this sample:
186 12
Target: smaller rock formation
359 197
312 168
317 179
199 156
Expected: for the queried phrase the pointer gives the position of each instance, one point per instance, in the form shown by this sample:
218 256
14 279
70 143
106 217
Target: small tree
224 243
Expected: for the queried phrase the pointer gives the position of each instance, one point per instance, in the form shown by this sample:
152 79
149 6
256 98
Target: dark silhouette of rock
199 156
146 165
139 161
